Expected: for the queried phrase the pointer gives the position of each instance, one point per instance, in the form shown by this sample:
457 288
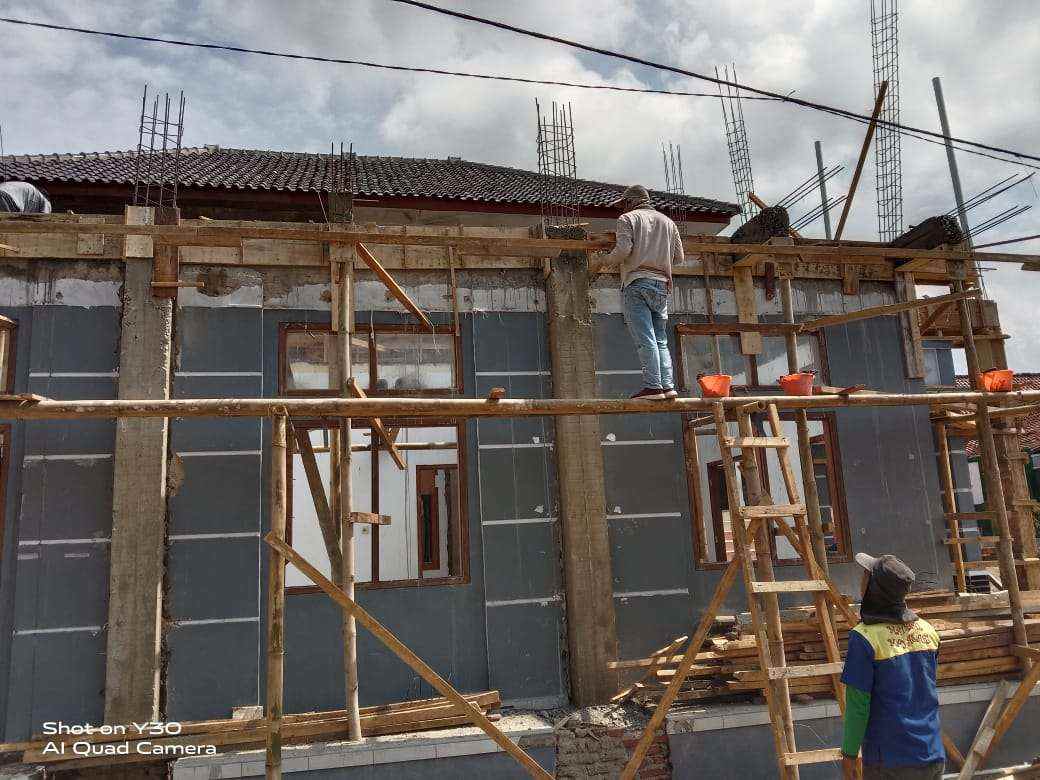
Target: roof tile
452 179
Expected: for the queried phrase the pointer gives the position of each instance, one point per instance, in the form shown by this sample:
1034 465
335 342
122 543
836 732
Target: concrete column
591 631
132 671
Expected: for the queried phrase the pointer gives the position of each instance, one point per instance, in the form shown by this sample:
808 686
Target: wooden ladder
752 547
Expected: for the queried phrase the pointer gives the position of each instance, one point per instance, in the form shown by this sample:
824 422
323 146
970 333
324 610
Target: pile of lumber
58 753
770 222
976 644
931 233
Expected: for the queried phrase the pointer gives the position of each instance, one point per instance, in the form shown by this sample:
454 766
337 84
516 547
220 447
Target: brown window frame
371 332
462 535
839 510
734 329
434 562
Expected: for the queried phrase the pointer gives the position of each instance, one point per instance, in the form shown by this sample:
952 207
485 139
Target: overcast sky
64 92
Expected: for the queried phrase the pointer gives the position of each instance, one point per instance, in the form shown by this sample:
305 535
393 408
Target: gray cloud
64 92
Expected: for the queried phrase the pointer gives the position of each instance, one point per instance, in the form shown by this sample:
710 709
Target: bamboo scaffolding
402 651
466 407
276 602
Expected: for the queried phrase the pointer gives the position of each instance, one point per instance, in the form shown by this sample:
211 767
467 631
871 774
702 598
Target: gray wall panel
522 561
217 494
76 695
61 586
651 553
212 579
525 647
75 339
66 499
212 668
219 339
646 623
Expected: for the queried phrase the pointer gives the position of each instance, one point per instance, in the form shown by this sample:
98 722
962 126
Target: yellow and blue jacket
892 705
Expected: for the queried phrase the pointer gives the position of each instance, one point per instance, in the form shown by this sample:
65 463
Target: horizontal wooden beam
316 408
391 284
369 518
883 311
217 235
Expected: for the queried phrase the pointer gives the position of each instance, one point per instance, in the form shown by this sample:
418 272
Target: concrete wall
54 570
505 628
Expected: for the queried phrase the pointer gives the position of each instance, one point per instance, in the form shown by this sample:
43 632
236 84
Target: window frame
734 329
463 577
699 516
370 331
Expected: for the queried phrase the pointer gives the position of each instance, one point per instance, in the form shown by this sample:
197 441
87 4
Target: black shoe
649 394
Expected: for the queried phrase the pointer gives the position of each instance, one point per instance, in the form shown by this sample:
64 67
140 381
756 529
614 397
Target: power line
909 132
703 77
362 63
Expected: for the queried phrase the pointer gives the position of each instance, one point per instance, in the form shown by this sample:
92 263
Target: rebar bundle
157 162
557 164
737 143
884 31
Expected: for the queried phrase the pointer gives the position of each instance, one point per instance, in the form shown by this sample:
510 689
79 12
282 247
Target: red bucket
714 385
797 384
997 380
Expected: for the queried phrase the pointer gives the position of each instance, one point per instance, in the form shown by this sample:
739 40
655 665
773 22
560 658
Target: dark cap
890 583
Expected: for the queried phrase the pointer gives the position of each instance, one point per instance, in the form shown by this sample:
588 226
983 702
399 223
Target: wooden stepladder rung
771 442
812 670
812 757
790 586
771 510
760 518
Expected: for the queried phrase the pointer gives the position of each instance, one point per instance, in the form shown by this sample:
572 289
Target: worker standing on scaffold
648 244
891 701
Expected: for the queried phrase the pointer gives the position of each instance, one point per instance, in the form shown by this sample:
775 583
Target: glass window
699 358
763 370
772 363
425 539
414 361
307 357
932 372
712 515
404 362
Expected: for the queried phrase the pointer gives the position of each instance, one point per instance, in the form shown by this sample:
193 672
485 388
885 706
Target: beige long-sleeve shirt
648 244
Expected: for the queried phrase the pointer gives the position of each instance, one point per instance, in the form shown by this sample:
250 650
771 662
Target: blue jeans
645 304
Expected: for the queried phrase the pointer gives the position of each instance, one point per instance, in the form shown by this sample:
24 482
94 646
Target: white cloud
65 92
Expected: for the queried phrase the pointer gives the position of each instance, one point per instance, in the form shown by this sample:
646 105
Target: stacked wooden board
976 634
58 752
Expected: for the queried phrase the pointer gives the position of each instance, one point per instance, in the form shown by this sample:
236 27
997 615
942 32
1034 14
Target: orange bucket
997 380
797 384
714 385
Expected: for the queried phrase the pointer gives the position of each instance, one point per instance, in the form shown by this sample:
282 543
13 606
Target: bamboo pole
276 602
991 475
886 310
810 493
465 407
402 651
950 506
346 497
882 90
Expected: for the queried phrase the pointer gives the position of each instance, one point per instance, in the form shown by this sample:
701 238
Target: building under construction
422 406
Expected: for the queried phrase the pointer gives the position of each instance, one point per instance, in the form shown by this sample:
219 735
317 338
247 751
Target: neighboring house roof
389 177
1029 425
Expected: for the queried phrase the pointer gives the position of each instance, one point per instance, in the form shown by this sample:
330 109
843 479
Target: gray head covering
885 598
634 196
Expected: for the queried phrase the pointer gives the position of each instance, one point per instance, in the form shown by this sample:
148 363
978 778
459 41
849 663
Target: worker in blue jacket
891 701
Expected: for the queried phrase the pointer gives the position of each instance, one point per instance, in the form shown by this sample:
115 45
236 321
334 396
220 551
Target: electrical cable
770 97
703 77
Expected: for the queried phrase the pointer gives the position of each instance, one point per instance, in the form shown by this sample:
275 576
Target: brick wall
585 750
